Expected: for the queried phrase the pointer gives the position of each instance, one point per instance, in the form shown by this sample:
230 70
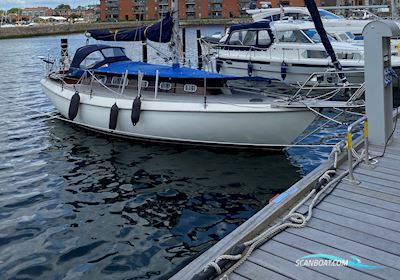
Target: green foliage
14 11
63 7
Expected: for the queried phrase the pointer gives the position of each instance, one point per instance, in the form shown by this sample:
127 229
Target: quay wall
57 29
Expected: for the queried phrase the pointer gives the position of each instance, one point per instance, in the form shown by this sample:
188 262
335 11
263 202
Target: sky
7 4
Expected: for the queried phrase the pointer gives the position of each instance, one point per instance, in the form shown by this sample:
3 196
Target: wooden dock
360 220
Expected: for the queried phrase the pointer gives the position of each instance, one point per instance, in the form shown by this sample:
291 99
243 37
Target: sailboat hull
214 123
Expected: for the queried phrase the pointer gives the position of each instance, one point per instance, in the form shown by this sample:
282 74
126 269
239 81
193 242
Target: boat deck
361 220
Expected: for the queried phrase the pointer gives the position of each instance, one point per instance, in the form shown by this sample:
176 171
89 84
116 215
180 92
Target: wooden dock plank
368 200
345 245
384 193
373 180
365 238
381 167
388 163
375 174
292 254
378 151
254 271
370 209
358 225
376 169
361 216
235 276
315 247
284 267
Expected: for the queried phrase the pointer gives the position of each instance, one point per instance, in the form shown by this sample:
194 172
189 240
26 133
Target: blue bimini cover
165 71
158 32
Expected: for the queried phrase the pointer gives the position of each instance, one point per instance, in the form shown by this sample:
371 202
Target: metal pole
199 57
205 92
156 84
124 82
349 154
366 142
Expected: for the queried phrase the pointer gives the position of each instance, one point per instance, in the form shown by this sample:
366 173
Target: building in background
30 13
122 10
284 3
90 13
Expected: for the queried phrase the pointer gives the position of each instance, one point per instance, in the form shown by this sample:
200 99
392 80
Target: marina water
78 204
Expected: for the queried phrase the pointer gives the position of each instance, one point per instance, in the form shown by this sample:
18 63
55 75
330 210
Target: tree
14 11
2 12
63 7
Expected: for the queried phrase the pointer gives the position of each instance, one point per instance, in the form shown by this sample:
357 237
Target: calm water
76 204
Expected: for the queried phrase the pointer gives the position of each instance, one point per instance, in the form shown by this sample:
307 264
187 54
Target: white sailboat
105 91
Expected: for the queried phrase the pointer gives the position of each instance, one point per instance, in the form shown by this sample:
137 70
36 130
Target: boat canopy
165 71
253 25
101 54
160 32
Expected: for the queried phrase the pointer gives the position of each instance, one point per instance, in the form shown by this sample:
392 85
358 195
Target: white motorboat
342 29
286 50
331 21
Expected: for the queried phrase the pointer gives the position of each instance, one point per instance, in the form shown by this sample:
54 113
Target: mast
176 43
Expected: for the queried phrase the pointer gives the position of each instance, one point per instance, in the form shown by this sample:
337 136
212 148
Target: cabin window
91 60
314 36
263 38
351 35
292 36
342 55
190 88
343 37
165 86
324 14
101 78
243 38
316 54
292 15
145 84
113 52
116 81
276 17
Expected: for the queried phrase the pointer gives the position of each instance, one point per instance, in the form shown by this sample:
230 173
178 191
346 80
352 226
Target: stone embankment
57 29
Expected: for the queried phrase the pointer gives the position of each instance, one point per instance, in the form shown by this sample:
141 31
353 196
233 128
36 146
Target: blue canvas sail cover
165 71
158 32
312 8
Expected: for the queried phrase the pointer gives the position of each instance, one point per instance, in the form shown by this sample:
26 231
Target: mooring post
199 57
378 79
